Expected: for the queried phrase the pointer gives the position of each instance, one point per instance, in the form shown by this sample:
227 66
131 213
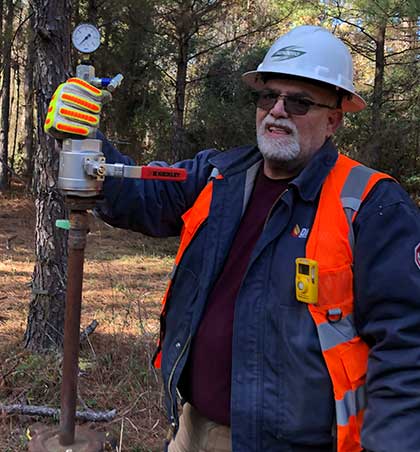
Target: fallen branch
33 410
88 330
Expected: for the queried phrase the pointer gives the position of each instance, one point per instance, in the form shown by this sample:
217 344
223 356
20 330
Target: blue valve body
105 81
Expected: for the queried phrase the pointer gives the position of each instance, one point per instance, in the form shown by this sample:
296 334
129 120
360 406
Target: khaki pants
198 434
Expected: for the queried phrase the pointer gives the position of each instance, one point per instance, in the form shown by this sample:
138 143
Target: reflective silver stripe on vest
352 403
334 333
214 173
352 192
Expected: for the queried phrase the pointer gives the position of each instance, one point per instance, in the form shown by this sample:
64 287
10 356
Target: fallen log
34 410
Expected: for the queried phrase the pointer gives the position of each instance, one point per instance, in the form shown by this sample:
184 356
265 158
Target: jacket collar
236 160
309 181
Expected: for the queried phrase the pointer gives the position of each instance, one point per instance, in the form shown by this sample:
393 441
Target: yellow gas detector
306 281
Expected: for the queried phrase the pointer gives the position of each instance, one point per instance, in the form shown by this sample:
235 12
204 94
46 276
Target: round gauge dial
86 38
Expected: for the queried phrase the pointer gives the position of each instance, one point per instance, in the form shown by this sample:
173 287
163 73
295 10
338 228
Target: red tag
163 173
417 255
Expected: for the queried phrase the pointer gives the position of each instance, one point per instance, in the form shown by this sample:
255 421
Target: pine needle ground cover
125 276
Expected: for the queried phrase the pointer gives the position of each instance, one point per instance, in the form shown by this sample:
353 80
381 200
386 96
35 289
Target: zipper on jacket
171 377
265 224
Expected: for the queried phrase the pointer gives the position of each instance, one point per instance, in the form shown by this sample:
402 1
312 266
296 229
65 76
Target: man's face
287 141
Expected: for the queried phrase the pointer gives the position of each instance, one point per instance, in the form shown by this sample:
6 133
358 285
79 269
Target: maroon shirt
206 379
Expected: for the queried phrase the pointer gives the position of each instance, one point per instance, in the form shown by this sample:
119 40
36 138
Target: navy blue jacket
281 390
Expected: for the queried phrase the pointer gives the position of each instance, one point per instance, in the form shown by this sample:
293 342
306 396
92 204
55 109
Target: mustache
278 122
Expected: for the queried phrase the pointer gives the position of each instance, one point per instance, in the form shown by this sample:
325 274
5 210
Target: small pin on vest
300 233
417 255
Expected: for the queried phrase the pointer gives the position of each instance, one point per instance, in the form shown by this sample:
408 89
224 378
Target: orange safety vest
330 243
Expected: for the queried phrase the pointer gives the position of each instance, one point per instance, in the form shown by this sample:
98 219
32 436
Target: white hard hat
312 53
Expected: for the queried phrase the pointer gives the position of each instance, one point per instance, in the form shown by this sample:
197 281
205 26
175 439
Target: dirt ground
125 277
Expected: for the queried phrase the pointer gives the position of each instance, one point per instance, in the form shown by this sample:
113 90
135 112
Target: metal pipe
76 247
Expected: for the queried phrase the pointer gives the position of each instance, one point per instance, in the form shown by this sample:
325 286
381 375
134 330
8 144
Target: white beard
284 148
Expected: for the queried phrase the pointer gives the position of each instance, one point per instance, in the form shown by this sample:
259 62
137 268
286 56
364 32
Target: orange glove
74 109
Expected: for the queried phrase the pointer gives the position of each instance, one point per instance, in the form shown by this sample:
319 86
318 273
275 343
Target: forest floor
124 279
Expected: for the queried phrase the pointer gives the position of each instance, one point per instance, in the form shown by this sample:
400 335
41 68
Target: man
270 352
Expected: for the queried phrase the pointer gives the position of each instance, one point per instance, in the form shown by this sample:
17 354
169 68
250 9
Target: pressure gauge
86 38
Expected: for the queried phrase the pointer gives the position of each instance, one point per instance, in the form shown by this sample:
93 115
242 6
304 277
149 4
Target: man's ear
335 120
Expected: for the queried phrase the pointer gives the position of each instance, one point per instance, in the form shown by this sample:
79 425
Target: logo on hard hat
287 53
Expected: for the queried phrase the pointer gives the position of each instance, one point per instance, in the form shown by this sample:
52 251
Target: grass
125 277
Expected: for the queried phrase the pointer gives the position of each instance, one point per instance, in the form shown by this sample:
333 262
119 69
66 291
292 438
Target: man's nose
278 110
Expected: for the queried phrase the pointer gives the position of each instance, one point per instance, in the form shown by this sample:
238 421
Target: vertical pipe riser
76 245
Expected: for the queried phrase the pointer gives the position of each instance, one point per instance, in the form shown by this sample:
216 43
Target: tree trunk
46 312
29 104
75 10
1 31
178 132
5 105
414 33
376 119
17 108
92 11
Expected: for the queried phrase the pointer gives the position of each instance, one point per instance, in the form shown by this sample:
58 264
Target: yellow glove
74 109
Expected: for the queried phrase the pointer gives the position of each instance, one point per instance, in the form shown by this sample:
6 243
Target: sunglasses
293 105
